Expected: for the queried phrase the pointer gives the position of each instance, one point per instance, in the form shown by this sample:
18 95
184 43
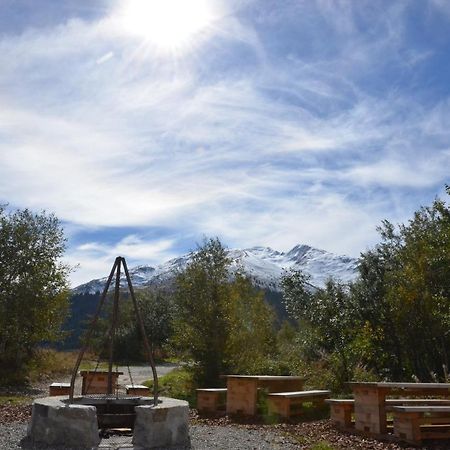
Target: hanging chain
129 374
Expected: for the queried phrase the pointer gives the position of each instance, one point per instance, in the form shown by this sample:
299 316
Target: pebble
203 437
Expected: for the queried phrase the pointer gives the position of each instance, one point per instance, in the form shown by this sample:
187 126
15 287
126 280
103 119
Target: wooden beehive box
59 389
96 382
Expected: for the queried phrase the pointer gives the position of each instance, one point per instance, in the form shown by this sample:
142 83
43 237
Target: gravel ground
224 434
203 437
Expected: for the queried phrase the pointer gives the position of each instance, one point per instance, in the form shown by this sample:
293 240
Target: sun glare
167 24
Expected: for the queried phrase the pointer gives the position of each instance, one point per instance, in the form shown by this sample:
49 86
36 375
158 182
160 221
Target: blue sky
261 122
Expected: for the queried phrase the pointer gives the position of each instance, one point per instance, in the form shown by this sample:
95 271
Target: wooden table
242 390
370 401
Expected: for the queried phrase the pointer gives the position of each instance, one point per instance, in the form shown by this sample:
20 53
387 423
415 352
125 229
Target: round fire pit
55 421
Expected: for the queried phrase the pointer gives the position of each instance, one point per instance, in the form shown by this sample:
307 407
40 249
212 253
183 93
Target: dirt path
143 373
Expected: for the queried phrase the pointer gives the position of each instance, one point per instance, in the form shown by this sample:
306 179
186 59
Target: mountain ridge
263 264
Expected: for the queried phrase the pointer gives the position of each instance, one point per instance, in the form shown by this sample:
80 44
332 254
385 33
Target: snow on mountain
321 264
140 276
263 264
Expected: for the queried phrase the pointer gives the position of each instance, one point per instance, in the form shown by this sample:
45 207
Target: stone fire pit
57 422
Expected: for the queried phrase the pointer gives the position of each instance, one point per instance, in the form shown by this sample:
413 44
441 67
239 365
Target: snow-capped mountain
263 264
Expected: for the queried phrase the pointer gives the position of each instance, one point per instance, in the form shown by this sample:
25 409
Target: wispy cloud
93 259
274 127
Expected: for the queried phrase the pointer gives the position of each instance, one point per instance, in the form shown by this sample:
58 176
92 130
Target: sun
167 24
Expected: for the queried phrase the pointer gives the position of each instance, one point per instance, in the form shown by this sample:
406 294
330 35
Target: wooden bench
211 400
137 389
414 423
341 410
59 389
370 401
288 404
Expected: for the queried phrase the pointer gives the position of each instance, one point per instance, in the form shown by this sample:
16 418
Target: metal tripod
120 261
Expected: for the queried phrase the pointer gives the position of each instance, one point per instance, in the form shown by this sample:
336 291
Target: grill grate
113 397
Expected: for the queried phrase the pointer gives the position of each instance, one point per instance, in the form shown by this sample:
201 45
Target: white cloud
407 172
106 57
94 259
270 149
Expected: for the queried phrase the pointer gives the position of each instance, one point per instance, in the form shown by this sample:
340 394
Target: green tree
374 312
202 299
325 317
403 296
33 285
157 315
420 290
251 336
394 321
221 319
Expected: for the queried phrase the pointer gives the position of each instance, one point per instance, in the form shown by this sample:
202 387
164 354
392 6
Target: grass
176 384
311 443
15 400
309 411
48 362
91 365
322 445
44 364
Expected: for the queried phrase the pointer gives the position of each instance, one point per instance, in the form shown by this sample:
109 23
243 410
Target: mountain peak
299 251
263 252
264 265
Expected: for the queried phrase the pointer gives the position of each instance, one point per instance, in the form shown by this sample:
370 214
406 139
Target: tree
403 295
33 284
251 337
326 315
156 312
394 321
202 310
420 290
222 320
157 315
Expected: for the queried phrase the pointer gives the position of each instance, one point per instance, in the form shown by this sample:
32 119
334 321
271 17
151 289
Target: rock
164 425
54 422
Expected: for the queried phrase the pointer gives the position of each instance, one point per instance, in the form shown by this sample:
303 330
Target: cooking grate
113 397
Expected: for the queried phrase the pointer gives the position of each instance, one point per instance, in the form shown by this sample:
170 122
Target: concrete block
164 425
55 422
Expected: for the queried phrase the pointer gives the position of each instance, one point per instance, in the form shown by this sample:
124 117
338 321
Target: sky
147 125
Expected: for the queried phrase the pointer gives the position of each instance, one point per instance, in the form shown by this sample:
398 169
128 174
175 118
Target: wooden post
370 410
407 427
241 395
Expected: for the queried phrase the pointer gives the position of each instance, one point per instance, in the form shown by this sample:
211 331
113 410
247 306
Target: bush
179 383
